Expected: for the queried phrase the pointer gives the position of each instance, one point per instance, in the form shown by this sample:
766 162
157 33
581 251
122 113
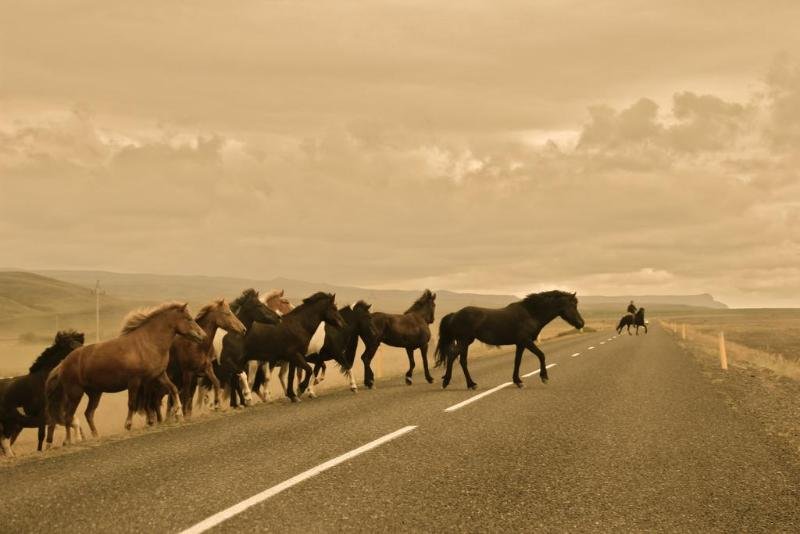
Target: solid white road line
489 392
576 354
536 372
236 509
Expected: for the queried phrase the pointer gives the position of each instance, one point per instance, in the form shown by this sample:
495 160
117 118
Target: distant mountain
24 294
200 289
653 301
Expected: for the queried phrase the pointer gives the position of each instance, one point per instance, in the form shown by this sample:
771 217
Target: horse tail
54 396
445 339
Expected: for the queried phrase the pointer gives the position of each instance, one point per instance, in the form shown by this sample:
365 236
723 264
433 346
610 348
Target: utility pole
97 293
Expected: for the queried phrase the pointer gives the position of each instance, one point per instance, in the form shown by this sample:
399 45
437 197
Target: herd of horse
164 351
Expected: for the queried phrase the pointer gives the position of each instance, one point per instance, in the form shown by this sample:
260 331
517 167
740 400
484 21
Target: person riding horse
632 308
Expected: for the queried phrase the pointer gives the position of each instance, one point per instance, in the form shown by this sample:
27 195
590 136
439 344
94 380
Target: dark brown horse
518 324
22 400
138 356
409 330
631 319
287 341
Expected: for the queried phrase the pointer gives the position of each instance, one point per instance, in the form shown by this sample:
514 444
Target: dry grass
704 333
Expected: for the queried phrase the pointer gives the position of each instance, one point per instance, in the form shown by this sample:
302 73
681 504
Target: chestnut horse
137 357
409 330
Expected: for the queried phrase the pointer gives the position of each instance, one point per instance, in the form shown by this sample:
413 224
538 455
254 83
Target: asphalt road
627 436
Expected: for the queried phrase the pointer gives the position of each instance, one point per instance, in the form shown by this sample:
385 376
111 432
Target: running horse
22 399
630 319
408 330
136 358
518 324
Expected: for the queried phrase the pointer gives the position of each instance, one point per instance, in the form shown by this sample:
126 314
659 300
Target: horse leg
172 391
448 373
282 372
366 358
352 379
290 384
5 444
72 397
517 361
212 377
301 363
133 394
462 358
411 365
40 436
187 377
51 428
542 366
424 350
91 406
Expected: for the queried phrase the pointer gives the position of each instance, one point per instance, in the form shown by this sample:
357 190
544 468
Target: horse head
569 310
186 326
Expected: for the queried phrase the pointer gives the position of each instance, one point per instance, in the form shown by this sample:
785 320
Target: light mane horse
137 357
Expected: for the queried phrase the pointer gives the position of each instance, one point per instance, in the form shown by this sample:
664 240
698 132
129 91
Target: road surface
628 435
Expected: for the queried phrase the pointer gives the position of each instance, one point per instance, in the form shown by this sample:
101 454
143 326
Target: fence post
723 353
683 331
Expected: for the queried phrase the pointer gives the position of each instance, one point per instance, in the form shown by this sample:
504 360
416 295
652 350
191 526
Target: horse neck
542 313
209 326
159 332
420 312
308 318
245 319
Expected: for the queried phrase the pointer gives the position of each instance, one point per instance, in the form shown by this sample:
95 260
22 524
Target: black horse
249 309
340 343
287 341
517 324
22 398
631 319
409 330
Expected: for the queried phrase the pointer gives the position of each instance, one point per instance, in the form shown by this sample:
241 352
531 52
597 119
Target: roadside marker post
723 353
683 331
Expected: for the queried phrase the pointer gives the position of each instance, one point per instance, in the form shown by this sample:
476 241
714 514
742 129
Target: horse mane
534 300
205 310
316 297
137 318
421 302
246 295
266 297
361 305
62 345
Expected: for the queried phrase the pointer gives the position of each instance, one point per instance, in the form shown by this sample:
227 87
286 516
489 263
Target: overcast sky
605 147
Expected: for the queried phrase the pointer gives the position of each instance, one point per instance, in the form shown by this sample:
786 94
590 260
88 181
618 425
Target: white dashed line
591 348
602 342
576 354
489 392
236 509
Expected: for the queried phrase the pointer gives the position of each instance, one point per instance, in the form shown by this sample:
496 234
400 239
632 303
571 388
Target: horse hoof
472 386
429 379
519 384
295 399
545 380
316 381
354 389
368 386
408 380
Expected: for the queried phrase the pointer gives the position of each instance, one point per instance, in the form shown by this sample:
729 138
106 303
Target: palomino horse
189 360
230 368
630 319
518 324
22 401
409 330
338 344
137 357
288 341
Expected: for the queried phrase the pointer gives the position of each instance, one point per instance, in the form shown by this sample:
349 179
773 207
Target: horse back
494 326
401 330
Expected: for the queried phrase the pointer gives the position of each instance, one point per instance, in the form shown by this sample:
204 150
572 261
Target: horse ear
184 306
369 306
281 293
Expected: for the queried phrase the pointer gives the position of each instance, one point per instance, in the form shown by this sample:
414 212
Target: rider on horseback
632 308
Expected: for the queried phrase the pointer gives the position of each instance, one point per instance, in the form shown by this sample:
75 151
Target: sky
623 147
